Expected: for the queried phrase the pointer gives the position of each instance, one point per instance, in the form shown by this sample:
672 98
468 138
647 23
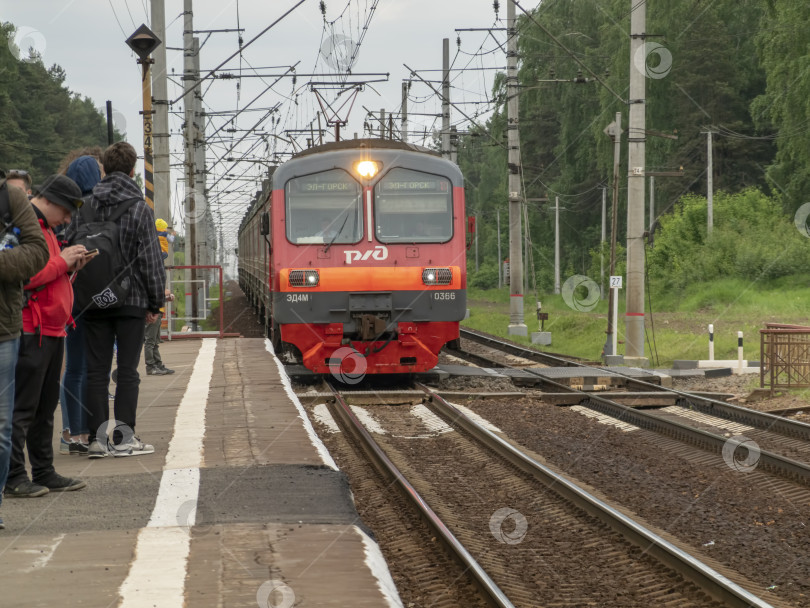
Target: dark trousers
101 333
151 350
36 392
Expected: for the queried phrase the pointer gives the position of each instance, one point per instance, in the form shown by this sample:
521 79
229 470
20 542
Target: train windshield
413 207
324 208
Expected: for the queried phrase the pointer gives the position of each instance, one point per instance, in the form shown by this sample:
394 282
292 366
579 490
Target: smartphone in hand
91 253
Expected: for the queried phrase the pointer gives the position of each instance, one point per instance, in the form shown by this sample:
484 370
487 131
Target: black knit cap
62 191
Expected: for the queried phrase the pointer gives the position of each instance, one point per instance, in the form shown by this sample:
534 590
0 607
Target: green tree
41 120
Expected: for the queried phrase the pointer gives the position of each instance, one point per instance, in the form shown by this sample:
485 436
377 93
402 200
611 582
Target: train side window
413 207
324 207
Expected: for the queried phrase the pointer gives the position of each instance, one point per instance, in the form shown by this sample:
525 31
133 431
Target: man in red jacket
49 299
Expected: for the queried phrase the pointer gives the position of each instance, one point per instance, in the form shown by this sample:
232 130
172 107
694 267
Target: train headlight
304 278
437 276
367 168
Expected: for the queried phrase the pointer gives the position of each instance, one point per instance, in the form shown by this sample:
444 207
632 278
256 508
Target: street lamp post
143 42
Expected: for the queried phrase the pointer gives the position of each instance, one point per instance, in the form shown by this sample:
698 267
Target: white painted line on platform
368 420
476 418
322 415
603 419
45 553
714 421
157 575
326 457
379 569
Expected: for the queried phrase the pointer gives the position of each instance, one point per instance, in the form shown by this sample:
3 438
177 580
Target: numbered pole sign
616 282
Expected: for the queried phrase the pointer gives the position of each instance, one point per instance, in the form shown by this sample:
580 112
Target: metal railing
192 314
785 356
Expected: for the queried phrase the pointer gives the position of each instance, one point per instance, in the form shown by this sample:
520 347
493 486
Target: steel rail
701 574
645 419
387 468
713 407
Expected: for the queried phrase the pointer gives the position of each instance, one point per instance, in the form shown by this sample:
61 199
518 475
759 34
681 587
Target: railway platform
240 505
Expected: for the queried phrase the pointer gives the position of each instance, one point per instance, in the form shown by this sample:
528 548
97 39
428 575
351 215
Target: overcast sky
86 38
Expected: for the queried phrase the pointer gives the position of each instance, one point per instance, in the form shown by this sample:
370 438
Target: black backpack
106 280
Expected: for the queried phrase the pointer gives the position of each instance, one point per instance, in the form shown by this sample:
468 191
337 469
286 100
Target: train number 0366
444 295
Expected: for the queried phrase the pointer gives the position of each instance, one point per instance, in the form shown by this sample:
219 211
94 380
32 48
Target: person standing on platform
86 172
20 178
151 349
19 261
125 323
49 299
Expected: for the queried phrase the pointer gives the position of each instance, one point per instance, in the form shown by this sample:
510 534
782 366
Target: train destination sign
327 187
411 185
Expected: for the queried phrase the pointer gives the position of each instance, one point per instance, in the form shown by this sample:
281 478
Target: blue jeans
73 394
8 361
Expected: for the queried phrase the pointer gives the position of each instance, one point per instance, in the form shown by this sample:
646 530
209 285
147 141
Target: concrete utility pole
476 243
516 325
500 261
557 244
615 131
190 78
445 98
404 110
161 121
634 315
602 248
200 200
652 203
710 184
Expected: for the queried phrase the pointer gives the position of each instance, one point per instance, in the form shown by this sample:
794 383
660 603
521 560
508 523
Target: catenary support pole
404 110
602 248
616 134
445 98
160 127
557 244
634 313
517 326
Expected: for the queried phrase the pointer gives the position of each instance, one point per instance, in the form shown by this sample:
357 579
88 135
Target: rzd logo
380 253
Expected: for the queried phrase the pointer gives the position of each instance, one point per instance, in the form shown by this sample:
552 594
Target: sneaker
166 369
2 525
26 489
154 370
133 447
59 483
110 397
78 448
96 450
72 447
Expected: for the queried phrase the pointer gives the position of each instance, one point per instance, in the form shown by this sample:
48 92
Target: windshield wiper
337 234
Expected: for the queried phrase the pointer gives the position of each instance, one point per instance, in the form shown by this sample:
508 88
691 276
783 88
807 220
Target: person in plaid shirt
125 324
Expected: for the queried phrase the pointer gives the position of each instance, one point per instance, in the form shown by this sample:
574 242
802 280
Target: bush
752 239
485 278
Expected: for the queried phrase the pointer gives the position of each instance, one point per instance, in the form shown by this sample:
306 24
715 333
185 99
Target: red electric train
355 259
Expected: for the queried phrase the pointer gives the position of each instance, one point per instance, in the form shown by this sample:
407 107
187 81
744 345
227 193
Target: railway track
772 443
508 573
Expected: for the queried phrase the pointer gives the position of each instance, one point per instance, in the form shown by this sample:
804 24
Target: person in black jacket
124 324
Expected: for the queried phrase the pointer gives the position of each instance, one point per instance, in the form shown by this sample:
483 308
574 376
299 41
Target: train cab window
323 208
413 207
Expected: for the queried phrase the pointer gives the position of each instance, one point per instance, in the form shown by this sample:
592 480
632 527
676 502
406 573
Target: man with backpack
122 288
25 253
